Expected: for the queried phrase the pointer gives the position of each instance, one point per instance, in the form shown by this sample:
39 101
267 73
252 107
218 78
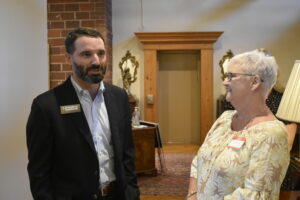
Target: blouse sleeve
193 173
268 164
194 166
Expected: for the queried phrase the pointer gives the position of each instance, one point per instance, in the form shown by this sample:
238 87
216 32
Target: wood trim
177 46
178 37
206 92
150 83
202 41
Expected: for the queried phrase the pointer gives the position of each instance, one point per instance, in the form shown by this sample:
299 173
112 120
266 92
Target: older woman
245 154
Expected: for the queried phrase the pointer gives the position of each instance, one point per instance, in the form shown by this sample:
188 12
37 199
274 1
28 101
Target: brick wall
66 15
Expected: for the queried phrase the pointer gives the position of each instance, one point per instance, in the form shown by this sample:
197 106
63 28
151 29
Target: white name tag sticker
237 142
70 109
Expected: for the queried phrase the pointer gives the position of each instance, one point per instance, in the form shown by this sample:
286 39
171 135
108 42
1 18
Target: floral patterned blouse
255 171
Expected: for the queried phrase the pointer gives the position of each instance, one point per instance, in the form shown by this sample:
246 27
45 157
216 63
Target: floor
180 148
173 148
192 149
151 197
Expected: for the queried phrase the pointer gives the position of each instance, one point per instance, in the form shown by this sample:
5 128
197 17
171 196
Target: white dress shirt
97 118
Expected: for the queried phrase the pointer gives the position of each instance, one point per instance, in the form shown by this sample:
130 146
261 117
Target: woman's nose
225 82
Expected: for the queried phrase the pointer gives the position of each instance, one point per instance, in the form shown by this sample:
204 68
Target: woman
245 154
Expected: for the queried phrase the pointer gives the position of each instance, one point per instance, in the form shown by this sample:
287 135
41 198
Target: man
79 133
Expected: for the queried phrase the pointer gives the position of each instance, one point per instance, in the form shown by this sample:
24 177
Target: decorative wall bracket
128 66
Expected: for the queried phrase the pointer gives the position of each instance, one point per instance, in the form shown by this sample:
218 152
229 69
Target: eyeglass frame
229 75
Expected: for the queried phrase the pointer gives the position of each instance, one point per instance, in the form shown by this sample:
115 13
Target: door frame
202 41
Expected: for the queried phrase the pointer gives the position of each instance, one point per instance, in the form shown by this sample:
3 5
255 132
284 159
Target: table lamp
289 108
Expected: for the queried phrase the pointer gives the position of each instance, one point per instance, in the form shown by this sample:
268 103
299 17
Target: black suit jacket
63 162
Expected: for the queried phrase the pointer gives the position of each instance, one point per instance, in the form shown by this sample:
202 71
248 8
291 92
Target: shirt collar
79 89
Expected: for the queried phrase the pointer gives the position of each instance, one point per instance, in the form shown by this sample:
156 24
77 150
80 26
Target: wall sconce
128 67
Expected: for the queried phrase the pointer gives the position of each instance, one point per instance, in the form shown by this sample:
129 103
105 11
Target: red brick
65 32
54 83
65 1
82 15
72 7
54 16
56 42
63 17
86 7
52 1
72 24
95 15
63 50
68 74
67 16
56 25
81 1
55 50
100 22
98 1
57 7
57 75
55 67
90 23
67 67
101 29
54 33
100 4
57 59
100 10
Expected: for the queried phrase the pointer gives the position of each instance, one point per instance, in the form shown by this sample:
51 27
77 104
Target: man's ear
68 56
256 83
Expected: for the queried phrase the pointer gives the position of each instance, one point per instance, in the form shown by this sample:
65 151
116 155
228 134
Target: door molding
202 41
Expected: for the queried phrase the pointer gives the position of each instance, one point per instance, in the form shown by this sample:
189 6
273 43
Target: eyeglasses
230 75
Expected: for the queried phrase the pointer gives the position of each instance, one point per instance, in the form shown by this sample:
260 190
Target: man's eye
101 53
86 54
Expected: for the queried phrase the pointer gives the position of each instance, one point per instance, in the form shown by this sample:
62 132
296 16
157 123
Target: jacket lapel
66 95
112 112
108 99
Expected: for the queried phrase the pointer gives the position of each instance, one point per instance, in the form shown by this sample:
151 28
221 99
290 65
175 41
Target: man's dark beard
82 72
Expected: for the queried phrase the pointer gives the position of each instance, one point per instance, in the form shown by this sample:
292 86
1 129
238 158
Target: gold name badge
70 109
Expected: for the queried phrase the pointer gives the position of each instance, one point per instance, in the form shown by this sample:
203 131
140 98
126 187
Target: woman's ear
256 83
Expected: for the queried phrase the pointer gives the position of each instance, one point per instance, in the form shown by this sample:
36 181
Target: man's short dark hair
73 35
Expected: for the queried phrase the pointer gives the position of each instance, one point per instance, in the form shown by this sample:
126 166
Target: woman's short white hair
261 64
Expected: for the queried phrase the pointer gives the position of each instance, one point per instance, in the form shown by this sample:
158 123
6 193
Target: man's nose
95 59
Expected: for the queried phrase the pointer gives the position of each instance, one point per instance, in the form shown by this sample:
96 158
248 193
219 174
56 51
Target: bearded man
79 133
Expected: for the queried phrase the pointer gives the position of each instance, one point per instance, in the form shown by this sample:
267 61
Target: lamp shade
289 108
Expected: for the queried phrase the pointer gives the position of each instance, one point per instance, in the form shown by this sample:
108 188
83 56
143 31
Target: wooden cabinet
292 177
289 195
144 145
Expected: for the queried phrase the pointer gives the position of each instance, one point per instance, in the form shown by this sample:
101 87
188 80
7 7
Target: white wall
247 25
24 74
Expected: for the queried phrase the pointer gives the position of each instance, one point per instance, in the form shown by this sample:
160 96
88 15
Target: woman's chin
228 97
